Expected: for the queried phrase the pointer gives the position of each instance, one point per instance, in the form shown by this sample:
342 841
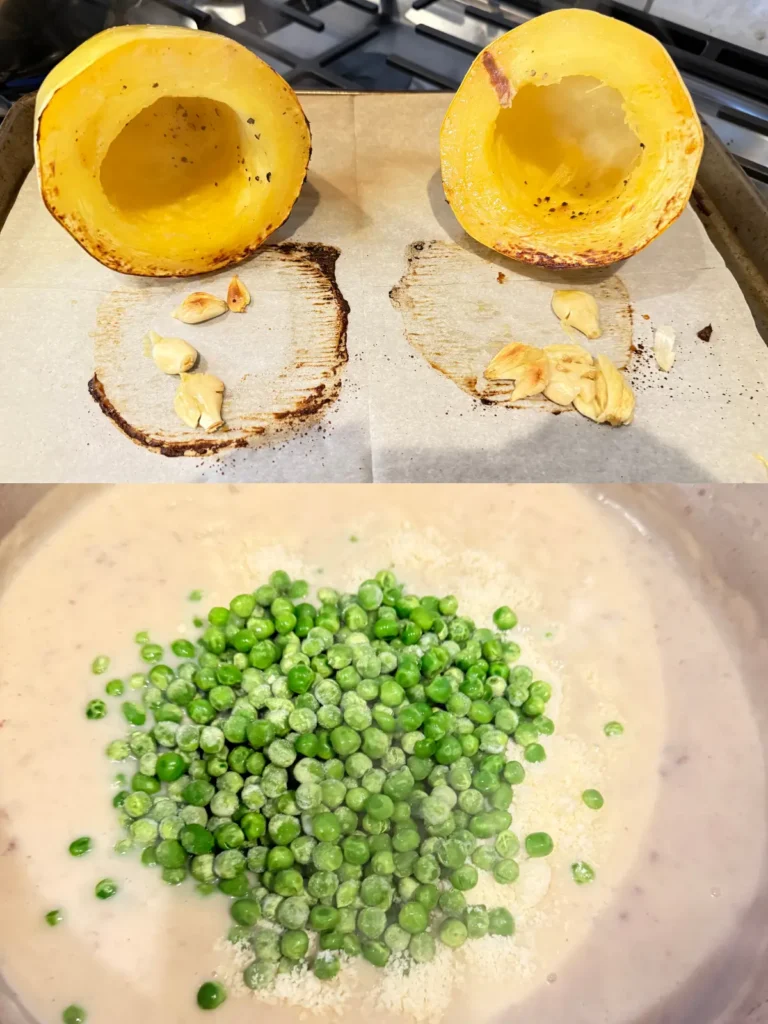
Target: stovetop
428 45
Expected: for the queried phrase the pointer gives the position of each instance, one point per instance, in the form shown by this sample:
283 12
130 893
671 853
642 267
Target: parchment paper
374 193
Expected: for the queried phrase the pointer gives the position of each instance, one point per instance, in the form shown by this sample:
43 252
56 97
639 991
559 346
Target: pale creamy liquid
677 847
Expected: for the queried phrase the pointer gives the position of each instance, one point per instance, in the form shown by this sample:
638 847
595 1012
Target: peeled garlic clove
614 396
664 347
186 407
578 309
587 407
524 364
562 389
608 389
201 393
586 401
149 341
238 296
564 382
605 396
568 354
561 392
172 355
532 382
508 360
567 365
199 307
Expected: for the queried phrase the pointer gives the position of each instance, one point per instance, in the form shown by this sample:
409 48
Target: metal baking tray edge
727 203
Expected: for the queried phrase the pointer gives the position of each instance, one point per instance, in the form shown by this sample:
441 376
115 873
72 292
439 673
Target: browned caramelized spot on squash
499 80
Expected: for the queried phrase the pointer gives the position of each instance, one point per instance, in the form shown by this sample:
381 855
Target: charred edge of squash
588 258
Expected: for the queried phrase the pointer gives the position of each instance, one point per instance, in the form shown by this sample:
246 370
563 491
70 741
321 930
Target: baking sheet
374 193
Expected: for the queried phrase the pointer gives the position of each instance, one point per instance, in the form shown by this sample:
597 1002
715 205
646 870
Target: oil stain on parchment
459 310
281 361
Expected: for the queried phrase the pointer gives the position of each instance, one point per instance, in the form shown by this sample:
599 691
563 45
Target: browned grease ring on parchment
319 262
429 302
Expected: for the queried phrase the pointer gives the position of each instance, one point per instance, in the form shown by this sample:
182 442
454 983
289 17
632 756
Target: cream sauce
676 848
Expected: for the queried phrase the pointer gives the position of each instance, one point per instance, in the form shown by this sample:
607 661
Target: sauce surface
603 617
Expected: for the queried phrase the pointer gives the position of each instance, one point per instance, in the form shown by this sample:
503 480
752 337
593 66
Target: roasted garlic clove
569 353
562 391
586 401
171 355
664 347
607 399
198 400
524 364
567 366
186 407
578 309
199 307
609 391
238 296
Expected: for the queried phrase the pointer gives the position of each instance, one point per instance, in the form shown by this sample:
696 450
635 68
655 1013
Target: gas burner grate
291 36
428 45
694 52
303 72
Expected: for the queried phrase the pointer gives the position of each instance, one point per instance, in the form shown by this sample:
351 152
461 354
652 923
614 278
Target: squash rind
657 106
226 236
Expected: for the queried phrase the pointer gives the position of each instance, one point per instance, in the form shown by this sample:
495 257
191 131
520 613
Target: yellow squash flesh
571 142
167 151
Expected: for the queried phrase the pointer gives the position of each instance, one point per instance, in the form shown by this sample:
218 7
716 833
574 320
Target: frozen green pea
74 1014
422 947
105 889
538 844
593 798
453 933
261 973
582 872
506 870
500 922
507 844
476 919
